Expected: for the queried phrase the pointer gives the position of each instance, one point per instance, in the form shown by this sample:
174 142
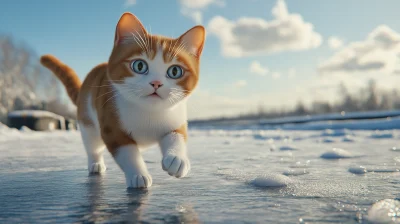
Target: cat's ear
194 39
128 26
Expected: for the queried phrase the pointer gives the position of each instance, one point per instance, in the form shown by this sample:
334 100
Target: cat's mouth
154 95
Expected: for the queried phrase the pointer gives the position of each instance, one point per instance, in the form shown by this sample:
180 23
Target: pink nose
156 84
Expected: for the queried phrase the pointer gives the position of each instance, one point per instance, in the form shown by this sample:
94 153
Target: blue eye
175 72
139 66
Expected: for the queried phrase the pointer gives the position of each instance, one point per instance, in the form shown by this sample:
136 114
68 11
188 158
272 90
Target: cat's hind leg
94 146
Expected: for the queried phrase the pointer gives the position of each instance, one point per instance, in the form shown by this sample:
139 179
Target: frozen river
43 179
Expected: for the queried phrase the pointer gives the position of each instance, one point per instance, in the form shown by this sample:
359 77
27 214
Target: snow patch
395 149
363 170
384 211
335 133
301 165
25 129
271 180
348 138
358 170
337 153
382 135
384 170
295 172
288 148
326 140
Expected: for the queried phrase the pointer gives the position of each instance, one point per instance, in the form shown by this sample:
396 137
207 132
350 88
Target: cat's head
154 71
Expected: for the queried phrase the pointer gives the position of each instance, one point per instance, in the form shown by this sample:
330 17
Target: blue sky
235 76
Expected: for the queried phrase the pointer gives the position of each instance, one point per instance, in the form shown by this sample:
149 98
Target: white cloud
276 75
258 69
240 83
193 8
200 4
254 36
292 73
129 3
195 15
335 42
378 53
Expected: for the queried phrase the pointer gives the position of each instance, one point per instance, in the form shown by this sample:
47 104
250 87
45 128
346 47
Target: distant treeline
369 98
25 83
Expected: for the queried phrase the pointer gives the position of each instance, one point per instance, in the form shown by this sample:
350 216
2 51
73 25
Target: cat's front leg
128 157
175 159
131 162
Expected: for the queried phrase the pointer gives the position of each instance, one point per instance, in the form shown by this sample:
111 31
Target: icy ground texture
237 176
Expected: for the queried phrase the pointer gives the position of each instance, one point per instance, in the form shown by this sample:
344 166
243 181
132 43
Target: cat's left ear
194 39
129 26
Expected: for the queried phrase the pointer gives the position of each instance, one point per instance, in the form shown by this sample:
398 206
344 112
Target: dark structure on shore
39 120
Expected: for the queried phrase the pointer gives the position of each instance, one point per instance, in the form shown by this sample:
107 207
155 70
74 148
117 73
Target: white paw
97 168
139 181
176 166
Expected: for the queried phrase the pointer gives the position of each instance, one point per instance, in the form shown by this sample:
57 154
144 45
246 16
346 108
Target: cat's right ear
128 26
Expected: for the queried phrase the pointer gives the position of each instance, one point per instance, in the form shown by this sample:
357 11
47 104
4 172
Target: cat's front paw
97 168
139 181
176 166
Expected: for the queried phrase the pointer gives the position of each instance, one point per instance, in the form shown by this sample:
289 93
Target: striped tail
66 75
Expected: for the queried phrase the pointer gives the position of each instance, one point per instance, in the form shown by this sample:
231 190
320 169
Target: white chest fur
147 127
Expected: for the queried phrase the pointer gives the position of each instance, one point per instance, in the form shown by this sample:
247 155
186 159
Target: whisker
101 86
151 39
106 93
181 90
137 40
144 43
179 49
172 50
115 95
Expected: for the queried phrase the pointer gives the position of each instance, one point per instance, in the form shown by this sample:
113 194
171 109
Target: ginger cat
136 99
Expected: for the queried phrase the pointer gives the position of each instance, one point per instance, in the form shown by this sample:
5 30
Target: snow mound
348 138
382 134
384 211
384 170
260 137
358 170
25 129
288 148
271 180
295 172
335 133
327 140
336 153
3 126
395 149
363 170
33 113
300 165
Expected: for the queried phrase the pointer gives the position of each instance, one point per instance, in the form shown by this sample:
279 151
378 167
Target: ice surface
43 179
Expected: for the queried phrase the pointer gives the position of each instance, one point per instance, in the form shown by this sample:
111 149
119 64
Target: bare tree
24 83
